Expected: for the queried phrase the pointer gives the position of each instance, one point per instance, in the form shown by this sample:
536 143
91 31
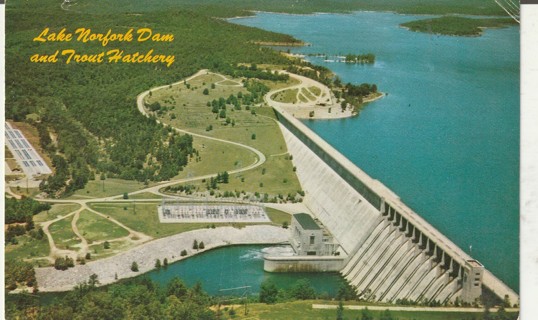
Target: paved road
134 236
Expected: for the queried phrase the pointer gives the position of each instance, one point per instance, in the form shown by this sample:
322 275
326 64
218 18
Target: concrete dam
391 253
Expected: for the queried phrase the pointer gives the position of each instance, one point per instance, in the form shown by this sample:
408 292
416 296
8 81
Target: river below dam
227 271
446 138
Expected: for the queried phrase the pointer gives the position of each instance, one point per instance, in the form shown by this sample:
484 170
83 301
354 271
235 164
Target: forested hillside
87 115
229 8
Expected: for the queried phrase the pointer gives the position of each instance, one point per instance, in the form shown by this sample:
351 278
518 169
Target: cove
237 266
446 138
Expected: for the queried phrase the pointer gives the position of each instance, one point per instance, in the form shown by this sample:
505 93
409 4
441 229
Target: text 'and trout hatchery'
116 55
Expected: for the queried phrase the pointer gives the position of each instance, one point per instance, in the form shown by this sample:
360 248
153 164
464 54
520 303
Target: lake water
446 138
226 268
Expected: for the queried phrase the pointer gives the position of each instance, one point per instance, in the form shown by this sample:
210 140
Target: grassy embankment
299 310
251 125
31 248
56 211
286 96
95 228
109 187
457 26
143 217
63 234
28 248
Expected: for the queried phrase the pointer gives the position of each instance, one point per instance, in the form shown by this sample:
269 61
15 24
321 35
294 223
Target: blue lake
446 138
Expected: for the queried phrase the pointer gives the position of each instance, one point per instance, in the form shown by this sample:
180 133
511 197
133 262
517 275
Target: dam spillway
392 254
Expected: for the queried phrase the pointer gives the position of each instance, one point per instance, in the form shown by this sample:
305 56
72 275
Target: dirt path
135 237
53 250
83 242
116 267
324 105
140 239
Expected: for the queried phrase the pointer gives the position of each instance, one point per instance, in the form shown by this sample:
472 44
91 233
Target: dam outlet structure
388 252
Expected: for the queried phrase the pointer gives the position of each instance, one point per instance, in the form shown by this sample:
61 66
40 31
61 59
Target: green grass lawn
315 90
268 137
98 251
279 84
307 94
299 310
108 187
55 211
145 195
270 178
146 220
252 129
27 248
278 217
30 192
96 228
63 234
286 96
216 157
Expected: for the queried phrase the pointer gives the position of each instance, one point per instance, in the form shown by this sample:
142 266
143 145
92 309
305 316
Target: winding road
134 237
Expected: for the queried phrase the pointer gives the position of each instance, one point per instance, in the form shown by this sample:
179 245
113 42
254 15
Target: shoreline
321 113
117 267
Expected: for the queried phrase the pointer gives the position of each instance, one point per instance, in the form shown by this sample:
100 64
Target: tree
253 136
134 266
345 292
63 263
366 314
201 246
106 245
206 91
165 262
222 114
176 288
340 311
337 81
125 195
268 292
157 264
40 234
93 281
501 314
303 290
506 301
195 244
386 315
183 253
88 256
29 223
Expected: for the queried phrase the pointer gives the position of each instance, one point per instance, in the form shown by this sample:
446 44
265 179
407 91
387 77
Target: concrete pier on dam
391 252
